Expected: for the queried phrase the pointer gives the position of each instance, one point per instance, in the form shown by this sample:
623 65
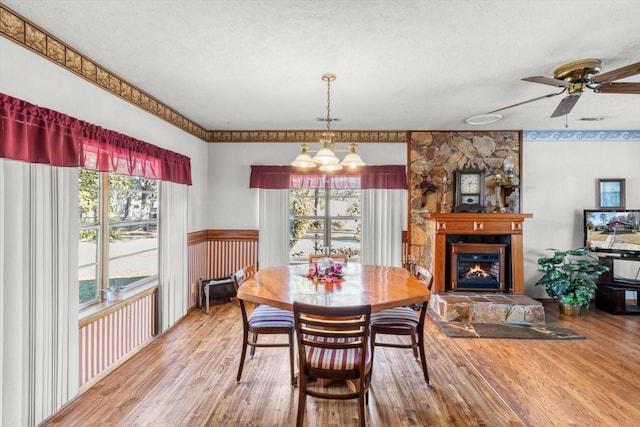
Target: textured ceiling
400 64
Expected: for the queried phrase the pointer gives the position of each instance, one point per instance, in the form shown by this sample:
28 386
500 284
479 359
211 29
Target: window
310 211
118 232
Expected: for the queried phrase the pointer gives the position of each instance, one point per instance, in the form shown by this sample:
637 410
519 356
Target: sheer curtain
38 292
384 189
273 244
382 219
173 289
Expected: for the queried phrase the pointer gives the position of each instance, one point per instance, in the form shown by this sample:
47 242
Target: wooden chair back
243 274
322 332
340 258
424 276
263 320
404 321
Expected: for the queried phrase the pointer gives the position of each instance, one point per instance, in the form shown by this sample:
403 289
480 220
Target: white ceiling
400 64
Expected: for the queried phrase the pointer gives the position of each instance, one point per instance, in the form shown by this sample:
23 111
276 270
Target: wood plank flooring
187 378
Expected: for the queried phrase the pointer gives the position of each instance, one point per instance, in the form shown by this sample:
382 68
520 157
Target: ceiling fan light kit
577 76
326 157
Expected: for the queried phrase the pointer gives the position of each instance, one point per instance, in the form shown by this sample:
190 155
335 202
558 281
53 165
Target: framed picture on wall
611 193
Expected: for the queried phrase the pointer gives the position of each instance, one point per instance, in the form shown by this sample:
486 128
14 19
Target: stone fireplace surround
439 154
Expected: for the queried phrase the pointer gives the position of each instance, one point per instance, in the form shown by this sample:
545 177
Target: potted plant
569 278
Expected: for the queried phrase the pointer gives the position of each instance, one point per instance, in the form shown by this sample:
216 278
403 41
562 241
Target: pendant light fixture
326 157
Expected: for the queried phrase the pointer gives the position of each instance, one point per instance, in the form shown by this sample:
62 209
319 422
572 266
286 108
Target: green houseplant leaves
569 276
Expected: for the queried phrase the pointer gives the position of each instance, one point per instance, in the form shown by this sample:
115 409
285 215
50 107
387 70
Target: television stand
612 290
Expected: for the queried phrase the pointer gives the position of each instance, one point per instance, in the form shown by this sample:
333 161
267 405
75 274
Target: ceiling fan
577 76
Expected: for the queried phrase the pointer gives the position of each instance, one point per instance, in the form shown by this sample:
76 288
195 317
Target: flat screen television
613 231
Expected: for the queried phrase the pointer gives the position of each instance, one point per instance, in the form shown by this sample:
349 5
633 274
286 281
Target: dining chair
404 321
341 258
263 320
333 344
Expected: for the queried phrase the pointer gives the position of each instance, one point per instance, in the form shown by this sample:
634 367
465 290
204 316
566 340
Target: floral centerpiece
333 273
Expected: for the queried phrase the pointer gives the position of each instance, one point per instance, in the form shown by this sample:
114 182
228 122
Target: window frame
103 226
327 218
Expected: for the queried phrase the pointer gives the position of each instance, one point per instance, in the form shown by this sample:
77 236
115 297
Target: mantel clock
468 191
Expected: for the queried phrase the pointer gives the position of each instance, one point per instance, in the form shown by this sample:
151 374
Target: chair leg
302 399
423 359
414 346
291 358
243 354
253 348
361 402
372 340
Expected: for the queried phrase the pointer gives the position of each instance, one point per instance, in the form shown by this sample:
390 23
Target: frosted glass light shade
328 167
325 155
304 161
352 160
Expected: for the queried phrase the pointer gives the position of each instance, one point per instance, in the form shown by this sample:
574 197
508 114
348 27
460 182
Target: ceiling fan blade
548 81
566 105
618 73
632 88
526 102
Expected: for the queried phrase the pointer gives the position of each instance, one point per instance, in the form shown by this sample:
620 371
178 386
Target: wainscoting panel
227 256
218 253
109 338
198 262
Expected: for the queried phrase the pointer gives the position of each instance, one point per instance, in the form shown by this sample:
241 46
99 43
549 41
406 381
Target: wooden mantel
439 225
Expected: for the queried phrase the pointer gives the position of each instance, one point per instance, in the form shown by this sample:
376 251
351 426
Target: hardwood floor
187 378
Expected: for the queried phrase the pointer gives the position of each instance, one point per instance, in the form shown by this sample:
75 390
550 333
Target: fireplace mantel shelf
439 225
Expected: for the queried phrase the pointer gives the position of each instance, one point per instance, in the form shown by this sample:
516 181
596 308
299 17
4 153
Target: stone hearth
476 307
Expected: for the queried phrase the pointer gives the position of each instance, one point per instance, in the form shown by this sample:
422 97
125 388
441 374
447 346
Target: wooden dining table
381 286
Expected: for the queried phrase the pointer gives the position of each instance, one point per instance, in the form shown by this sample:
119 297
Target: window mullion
327 218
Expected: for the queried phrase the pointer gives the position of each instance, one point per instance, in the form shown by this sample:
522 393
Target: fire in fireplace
478 266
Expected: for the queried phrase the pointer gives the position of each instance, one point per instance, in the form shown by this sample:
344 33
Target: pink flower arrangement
332 274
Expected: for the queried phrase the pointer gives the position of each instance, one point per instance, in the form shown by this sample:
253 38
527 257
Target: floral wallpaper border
581 135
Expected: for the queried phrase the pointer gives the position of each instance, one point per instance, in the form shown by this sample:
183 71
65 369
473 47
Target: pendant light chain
326 157
329 78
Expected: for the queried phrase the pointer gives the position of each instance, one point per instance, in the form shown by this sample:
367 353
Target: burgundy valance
39 135
366 177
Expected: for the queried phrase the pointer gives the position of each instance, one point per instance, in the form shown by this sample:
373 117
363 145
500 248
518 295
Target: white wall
233 205
559 181
28 76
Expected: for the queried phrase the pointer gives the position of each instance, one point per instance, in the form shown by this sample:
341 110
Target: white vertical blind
39 291
173 281
382 222
273 243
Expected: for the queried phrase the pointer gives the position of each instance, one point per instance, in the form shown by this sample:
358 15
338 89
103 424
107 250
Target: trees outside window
118 233
310 211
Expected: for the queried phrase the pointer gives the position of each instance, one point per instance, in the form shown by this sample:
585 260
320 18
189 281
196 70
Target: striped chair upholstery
264 316
404 321
263 320
336 359
333 344
398 317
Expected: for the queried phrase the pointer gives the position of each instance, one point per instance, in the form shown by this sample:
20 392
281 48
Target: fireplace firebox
477 267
